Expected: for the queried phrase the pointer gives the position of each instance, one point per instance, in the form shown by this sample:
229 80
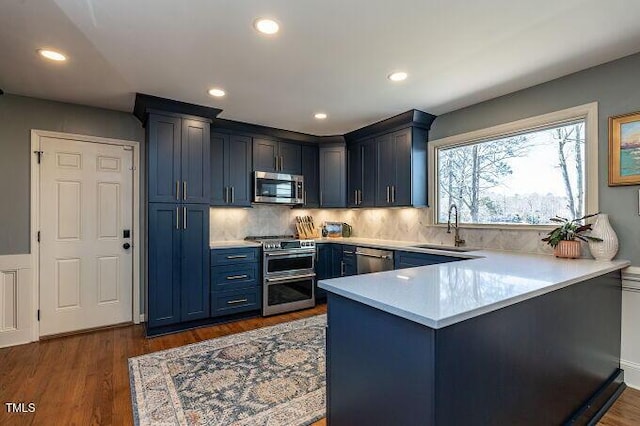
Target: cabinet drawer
235 301
231 277
234 255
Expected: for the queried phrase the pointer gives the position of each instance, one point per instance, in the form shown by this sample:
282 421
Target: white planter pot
607 248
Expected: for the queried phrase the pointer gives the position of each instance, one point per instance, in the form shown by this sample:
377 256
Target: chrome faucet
457 241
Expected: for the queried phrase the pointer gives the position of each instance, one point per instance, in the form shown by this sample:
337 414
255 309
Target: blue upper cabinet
277 156
164 137
195 161
388 162
311 177
265 155
178 159
362 173
218 164
290 158
231 170
333 175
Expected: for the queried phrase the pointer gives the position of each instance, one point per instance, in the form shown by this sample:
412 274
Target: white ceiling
331 55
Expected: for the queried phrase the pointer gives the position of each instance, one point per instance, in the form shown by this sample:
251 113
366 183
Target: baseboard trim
86 330
631 373
631 278
17 315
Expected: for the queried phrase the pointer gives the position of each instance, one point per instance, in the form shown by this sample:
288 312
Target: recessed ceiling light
218 93
397 76
52 55
320 115
266 26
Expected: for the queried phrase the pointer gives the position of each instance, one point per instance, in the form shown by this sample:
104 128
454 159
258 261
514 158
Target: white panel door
85 206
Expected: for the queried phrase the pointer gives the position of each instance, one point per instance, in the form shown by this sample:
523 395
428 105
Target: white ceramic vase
607 248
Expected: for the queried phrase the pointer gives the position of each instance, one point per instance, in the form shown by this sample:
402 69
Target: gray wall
614 86
18 116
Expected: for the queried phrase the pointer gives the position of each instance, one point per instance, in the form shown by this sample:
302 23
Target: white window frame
587 112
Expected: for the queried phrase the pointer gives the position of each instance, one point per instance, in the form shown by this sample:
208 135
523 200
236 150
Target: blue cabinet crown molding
146 104
412 118
257 130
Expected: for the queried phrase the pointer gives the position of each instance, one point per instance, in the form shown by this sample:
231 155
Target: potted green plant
565 239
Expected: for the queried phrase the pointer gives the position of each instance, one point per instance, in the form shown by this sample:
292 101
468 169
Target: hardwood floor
84 379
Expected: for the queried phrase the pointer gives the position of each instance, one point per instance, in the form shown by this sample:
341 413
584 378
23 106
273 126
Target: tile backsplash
404 224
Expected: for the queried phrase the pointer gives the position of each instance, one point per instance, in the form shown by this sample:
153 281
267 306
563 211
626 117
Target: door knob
126 246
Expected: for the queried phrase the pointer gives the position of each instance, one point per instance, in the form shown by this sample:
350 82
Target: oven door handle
291 254
289 278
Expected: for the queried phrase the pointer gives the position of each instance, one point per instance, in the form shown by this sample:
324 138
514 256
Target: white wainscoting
630 350
16 300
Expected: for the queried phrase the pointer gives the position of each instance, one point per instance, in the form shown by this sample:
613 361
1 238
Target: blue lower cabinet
232 256
178 253
349 260
406 259
235 301
234 277
164 273
195 262
236 280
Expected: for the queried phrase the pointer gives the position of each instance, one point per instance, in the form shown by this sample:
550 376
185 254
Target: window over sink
520 173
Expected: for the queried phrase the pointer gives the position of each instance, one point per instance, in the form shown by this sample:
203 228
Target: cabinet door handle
232 302
177 190
359 196
232 194
237 277
388 194
304 198
237 256
184 190
393 194
225 195
184 218
275 162
355 197
341 268
177 217
321 198
281 162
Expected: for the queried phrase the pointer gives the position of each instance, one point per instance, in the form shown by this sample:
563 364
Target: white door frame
36 136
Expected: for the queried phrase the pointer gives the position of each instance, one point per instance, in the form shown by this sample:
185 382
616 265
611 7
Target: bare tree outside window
520 179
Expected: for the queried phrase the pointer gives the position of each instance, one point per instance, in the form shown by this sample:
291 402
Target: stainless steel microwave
278 188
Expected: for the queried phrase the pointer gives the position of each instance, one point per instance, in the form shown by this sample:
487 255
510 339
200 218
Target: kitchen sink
445 248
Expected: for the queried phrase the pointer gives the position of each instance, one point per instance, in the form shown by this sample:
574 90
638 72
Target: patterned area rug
269 376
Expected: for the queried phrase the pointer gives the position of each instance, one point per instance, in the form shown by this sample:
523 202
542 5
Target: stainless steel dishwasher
373 260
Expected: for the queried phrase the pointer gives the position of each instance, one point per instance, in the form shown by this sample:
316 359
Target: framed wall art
624 149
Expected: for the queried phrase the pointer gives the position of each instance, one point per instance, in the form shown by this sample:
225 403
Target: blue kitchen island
503 339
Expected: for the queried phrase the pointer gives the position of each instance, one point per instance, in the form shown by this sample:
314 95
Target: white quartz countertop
447 293
233 244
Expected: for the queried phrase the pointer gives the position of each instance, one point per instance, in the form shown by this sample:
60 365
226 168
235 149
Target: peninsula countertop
447 293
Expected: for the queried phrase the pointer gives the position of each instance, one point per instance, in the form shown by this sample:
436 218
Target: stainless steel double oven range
288 273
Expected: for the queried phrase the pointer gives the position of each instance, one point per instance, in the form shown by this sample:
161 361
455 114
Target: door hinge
39 154
38 314
38 236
